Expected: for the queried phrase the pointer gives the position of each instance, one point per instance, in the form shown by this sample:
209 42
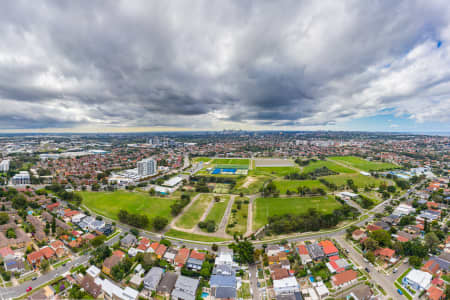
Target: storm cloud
199 64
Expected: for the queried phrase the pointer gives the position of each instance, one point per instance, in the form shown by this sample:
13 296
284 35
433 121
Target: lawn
192 236
192 216
250 184
292 185
329 164
221 188
237 222
218 210
109 203
201 159
277 171
266 207
230 161
359 180
363 164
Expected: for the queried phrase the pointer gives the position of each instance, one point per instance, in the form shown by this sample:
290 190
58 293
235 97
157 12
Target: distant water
434 133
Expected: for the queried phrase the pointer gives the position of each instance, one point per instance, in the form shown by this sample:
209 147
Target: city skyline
137 66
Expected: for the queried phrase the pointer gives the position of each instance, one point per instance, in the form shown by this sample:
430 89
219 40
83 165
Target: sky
105 66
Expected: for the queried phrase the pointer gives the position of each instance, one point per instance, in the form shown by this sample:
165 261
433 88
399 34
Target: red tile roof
47 252
197 255
328 247
118 253
386 252
57 244
182 256
435 293
344 277
161 250
6 251
302 250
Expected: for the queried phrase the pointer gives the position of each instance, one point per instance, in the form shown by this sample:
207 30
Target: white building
418 280
22 178
147 167
403 210
4 165
285 286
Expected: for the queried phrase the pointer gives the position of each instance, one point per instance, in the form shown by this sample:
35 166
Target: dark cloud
207 64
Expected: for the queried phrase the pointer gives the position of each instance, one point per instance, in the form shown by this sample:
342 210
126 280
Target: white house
418 280
403 210
287 285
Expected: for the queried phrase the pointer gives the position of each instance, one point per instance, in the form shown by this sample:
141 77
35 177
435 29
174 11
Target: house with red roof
48 252
435 293
373 227
181 257
344 278
385 253
34 258
358 234
329 248
153 247
6 251
160 250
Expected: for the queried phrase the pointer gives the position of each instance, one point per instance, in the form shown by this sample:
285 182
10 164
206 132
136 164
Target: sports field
192 216
275 171
237 222
330 165
201 159
363 164
266 207
250 184
360 180
109 203
230 161
292 185
192 236
218 210
221 188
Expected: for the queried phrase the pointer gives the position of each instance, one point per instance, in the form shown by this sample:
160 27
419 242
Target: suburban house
181 257
167 284
109 263
315 251
152 278
418 280
358 234
303 253
344 278
185 288
195 260
288 285
329 249
128 241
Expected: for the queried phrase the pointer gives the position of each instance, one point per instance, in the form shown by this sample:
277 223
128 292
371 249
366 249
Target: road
17 291
385 281
253 269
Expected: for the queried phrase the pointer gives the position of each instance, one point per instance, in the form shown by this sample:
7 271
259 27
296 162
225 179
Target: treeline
136 220
201 182
319 172
61 192
177 207
312 220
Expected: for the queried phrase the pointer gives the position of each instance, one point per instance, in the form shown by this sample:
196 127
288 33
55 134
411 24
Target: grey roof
294 296
186 285
194 261
223 270
315 251
167 283
221 280
178 294
225 292
129 239
153 277
443 261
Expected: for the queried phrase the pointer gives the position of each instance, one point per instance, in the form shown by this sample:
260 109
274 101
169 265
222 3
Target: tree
4 218
159 223
415 261
382 236
45 265
431 241
370 256
244 251
214 247
98 241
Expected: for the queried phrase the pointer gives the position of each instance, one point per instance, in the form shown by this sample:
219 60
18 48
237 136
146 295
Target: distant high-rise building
147 167
4 165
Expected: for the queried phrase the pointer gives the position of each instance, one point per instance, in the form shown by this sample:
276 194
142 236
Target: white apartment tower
4 166
147 167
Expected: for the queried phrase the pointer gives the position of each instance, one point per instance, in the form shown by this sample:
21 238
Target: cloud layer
207 64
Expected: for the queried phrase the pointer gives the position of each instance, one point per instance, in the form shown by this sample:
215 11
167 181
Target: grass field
250 184
217 211
191 217
109 203
330 165
267 207
363 164
230 161
238 217
203 159
277 171
221 188
360 180
292 185
192 236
